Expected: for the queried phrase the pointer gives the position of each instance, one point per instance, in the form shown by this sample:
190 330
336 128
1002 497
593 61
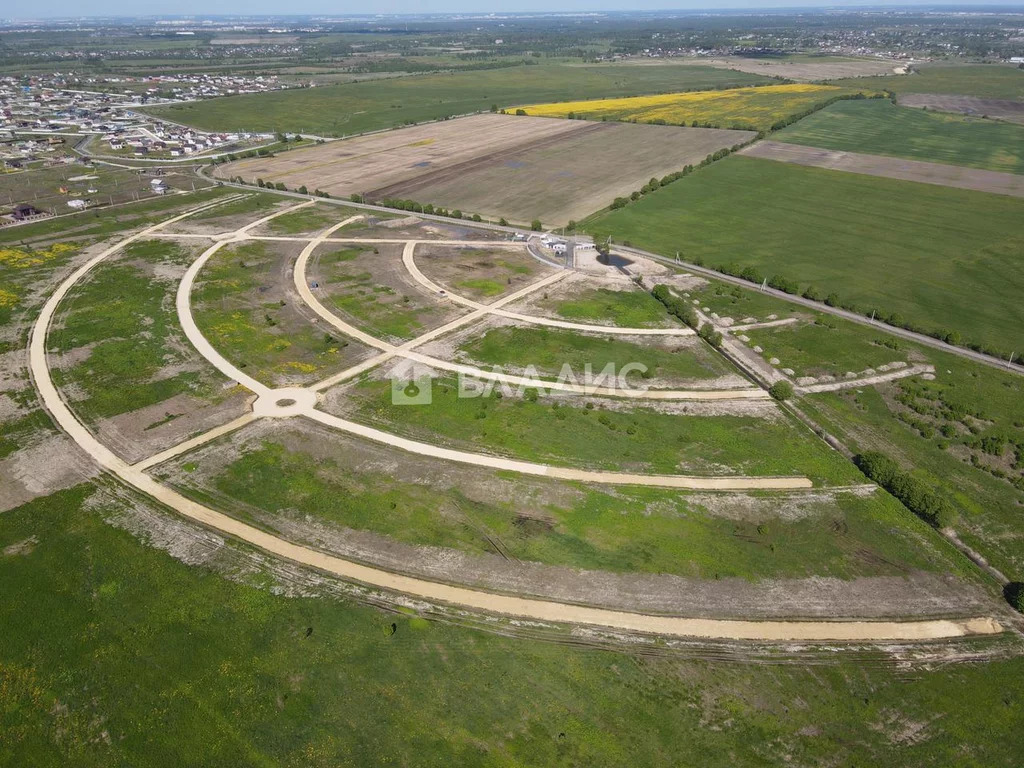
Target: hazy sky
76 8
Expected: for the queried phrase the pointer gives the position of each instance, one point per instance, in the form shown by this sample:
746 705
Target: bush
710 335
1014 594
675 306
536 226
915 494
781 390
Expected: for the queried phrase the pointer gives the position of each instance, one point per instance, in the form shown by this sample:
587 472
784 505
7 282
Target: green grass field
134 335
960 433
640 439
627 530
627 309
307 221
942 258
825 345
878 127
352 108
348 284
150 662
254 328
549 349
986 81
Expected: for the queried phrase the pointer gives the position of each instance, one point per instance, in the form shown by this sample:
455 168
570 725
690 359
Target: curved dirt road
479 310
538 610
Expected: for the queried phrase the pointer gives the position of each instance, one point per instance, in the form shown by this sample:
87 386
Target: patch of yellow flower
298 365
19 259
7 299
753 107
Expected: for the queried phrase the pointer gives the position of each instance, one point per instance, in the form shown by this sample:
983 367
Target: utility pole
1010 361
764 285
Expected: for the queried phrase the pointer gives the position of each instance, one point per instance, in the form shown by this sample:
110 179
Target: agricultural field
857 236
352 108
500 166
755 109
941 174
997 109
878 127
808 68
984 81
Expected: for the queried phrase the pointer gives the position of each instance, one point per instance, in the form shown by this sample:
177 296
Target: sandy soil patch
140 433
891 168
999 109
42 468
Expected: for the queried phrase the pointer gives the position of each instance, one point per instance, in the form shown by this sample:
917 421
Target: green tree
781 390
536 226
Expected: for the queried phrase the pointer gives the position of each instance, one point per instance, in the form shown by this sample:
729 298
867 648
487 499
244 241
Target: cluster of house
29 107
22 154
170 140
192 87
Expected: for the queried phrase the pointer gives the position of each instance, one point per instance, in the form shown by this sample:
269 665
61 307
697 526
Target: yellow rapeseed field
756 108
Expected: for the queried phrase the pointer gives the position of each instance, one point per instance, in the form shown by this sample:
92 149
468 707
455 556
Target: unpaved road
538 610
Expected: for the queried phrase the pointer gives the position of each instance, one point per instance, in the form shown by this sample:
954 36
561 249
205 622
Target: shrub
915 494
675 306
781 390
1014 594
710 335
